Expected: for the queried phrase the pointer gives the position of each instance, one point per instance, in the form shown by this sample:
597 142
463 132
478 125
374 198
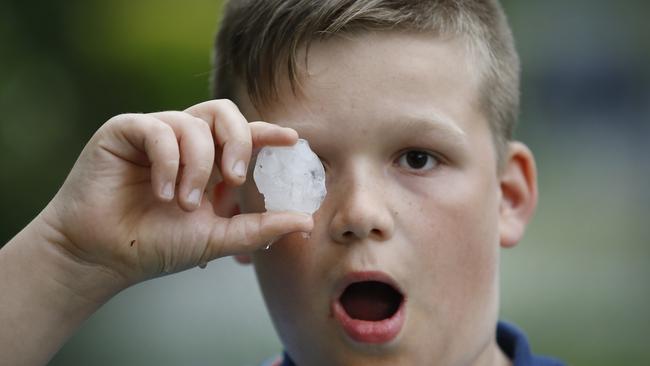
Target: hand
135 201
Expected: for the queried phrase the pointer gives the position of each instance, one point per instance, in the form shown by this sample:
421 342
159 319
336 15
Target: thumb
245 233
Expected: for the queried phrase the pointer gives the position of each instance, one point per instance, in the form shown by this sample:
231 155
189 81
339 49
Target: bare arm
46 295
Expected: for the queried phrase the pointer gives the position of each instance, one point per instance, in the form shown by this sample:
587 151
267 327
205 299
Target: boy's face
414 203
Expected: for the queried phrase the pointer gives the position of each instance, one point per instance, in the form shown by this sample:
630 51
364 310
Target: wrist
46 294
50 250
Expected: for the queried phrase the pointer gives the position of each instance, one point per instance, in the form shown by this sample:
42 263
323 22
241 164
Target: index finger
231 132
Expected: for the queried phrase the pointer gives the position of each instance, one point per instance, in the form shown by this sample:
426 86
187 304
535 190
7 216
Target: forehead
374 79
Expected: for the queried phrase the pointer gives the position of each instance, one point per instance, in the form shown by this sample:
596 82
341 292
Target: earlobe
518 184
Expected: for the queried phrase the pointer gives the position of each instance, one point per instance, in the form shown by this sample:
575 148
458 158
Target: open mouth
371 300
370 310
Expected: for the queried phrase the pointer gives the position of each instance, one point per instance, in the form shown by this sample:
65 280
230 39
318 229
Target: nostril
350 235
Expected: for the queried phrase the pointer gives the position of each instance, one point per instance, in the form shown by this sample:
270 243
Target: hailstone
290 178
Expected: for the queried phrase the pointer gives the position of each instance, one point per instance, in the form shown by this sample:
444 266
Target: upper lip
363 276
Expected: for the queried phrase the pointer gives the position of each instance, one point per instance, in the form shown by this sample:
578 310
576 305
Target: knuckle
256 125
254 231
193 121
202 170
175 114
261 125
163 128
169 164
232 236
227 234
203 126
243 144
261 226
249 233
123 120
218 237
225 103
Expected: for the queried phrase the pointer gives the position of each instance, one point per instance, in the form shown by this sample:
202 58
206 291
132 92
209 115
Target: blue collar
512 342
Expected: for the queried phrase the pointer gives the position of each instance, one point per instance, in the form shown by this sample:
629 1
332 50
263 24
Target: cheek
276 275
289 280
289 271
251 200
458 235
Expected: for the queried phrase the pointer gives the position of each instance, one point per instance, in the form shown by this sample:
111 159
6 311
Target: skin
128 210
113 224
365 101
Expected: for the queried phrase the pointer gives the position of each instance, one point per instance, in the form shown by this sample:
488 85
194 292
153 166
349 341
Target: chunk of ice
290 178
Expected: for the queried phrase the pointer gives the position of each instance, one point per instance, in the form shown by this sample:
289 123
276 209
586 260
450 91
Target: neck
500 358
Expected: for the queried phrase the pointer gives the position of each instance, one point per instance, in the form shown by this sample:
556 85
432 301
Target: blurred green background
578 284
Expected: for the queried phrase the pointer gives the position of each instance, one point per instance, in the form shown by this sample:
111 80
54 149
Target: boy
409 104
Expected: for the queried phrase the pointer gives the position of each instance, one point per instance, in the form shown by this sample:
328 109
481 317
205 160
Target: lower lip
365 331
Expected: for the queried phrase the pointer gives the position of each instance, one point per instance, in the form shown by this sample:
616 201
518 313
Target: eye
417 160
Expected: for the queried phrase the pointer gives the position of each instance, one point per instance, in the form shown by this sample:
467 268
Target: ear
518 182
226 204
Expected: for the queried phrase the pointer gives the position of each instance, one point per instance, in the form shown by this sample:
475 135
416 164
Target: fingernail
168 191
194 197
239 168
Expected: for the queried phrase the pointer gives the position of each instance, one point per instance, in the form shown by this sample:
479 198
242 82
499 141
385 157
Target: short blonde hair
258 43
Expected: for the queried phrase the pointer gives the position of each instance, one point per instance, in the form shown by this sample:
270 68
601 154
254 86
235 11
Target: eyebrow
434 123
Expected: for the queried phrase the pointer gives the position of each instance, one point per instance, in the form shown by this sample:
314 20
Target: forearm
45 295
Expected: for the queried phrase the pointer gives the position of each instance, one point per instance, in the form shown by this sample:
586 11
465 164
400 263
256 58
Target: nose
361 210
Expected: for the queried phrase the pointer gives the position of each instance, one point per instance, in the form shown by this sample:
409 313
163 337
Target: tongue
372 301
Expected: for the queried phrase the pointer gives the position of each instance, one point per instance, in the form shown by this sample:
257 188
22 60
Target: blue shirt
512 342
